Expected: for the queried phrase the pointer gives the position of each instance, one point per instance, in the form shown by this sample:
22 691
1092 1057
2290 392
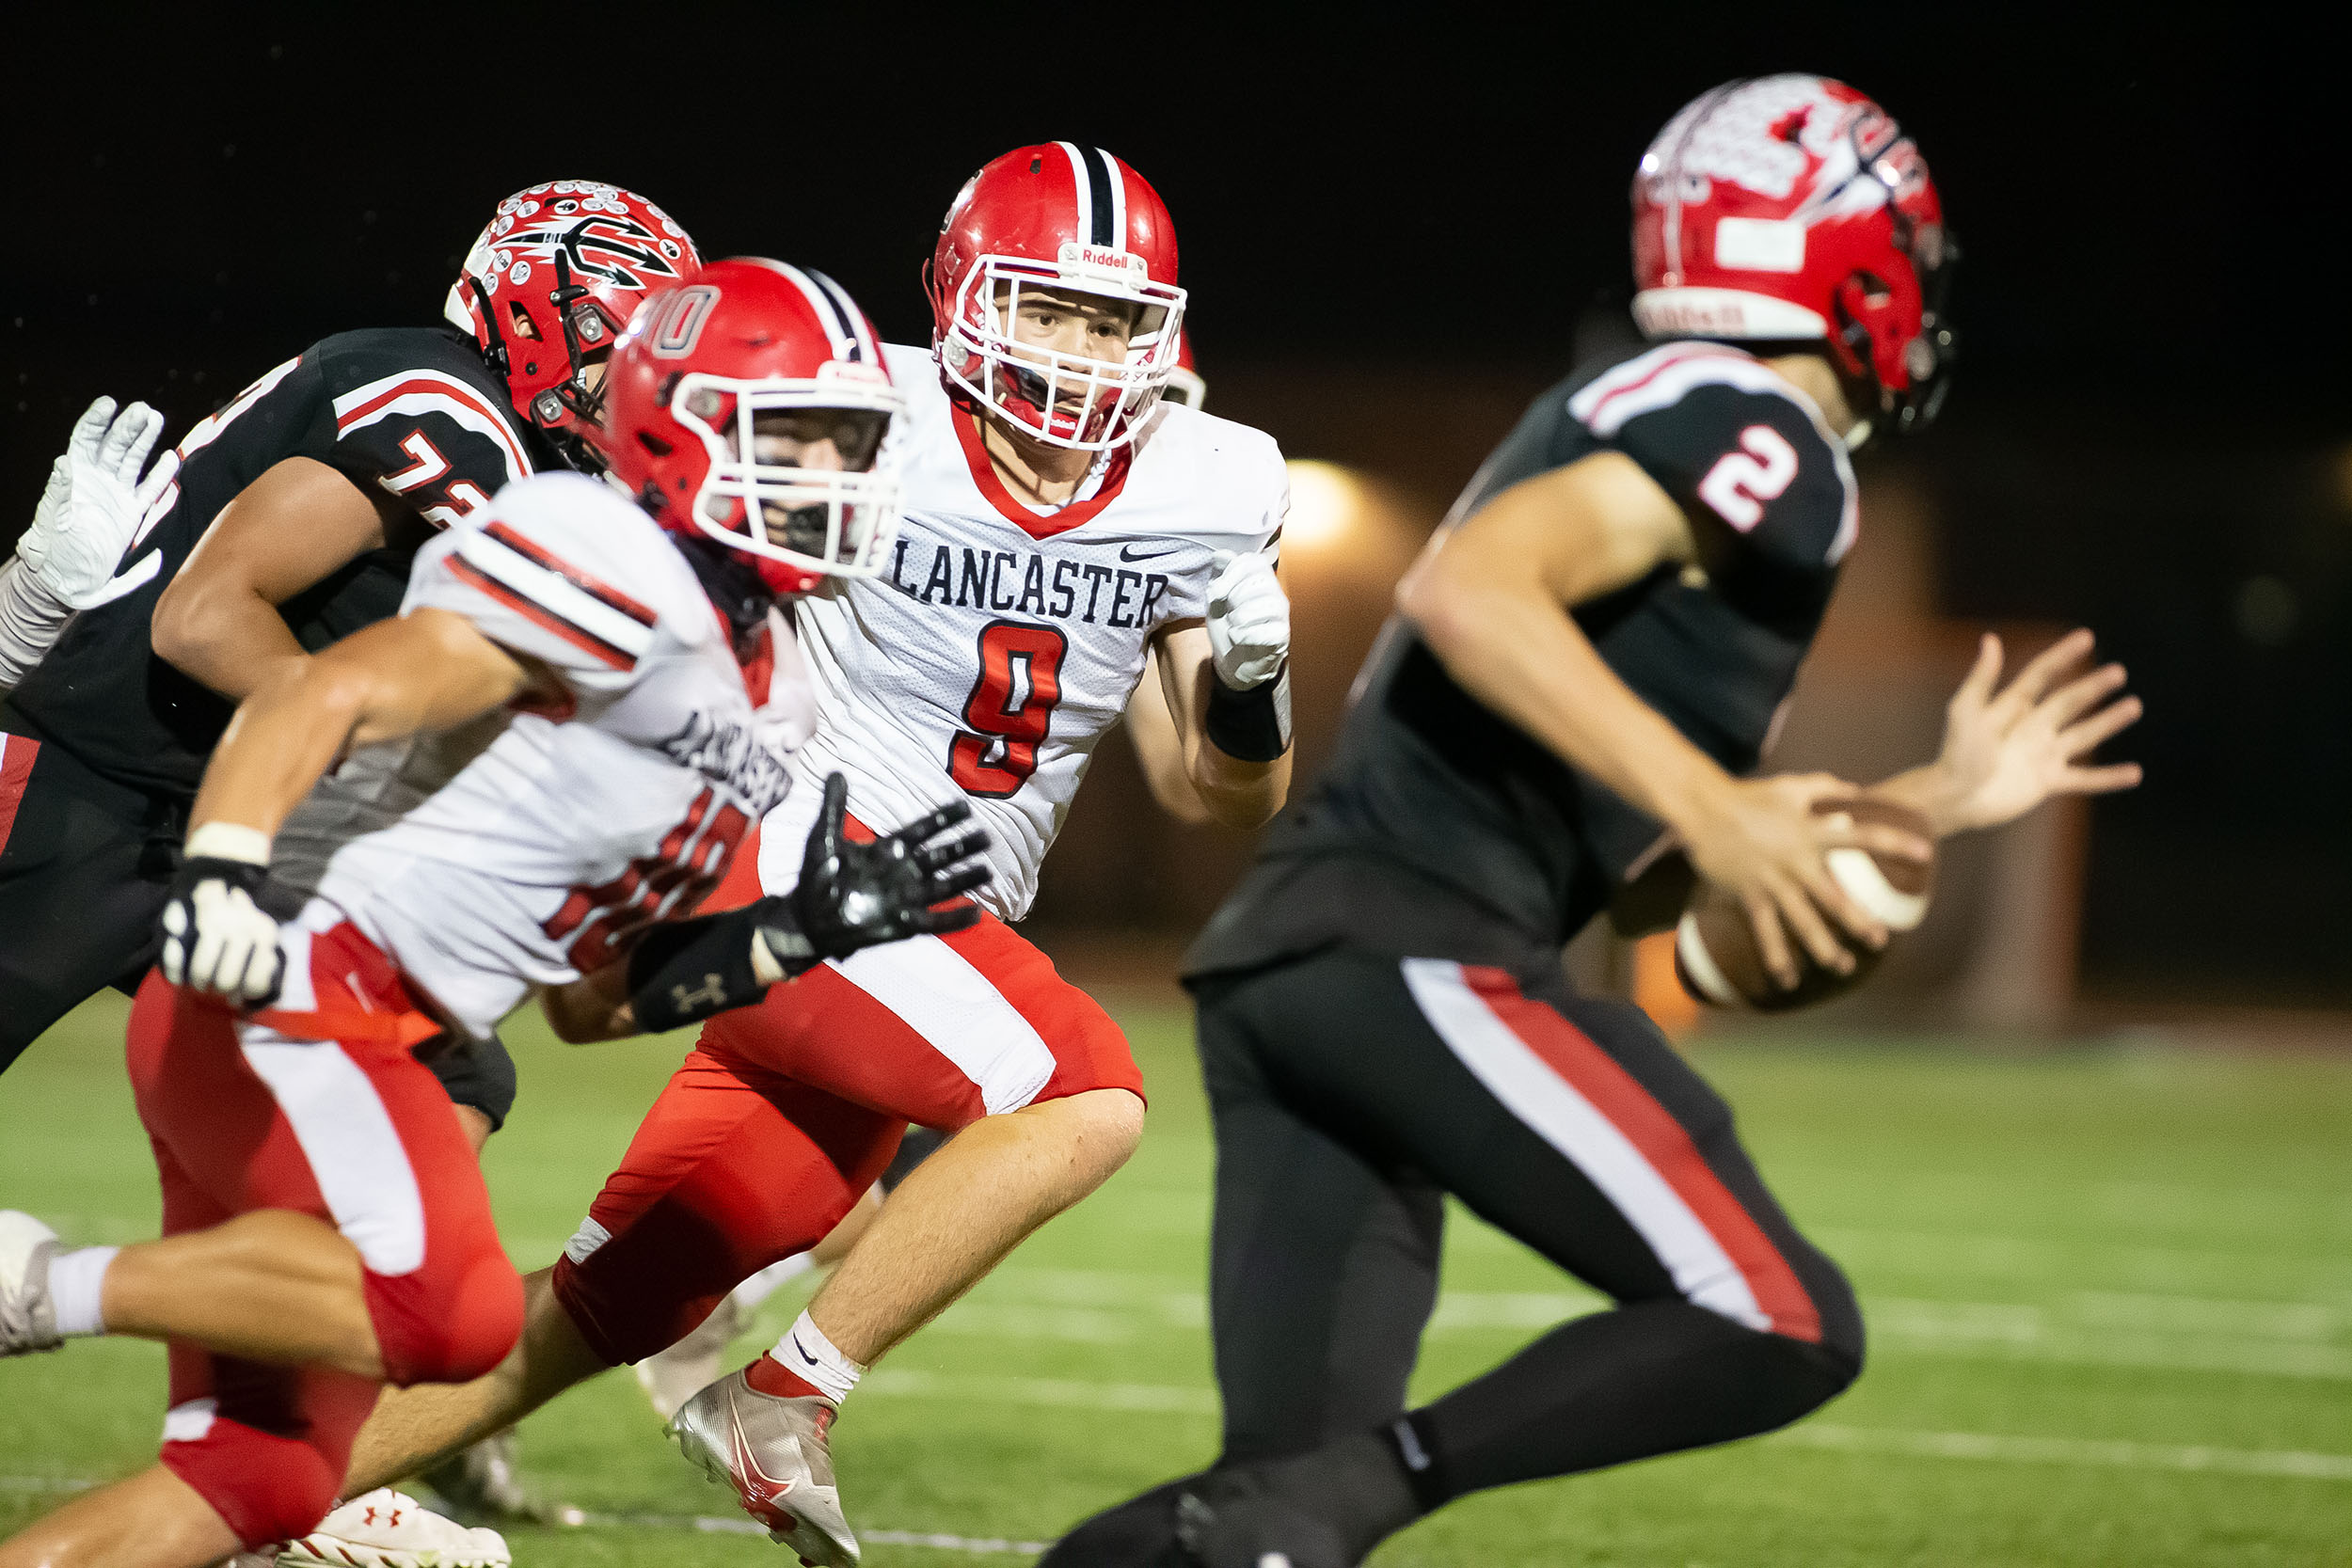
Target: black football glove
850 895
218 938
854 895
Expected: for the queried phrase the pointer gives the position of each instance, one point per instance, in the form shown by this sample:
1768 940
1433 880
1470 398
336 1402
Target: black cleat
1138 1534
1232 1519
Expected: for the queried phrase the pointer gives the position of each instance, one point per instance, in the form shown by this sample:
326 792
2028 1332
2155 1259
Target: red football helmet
1073 219
1792 208
556 276
701 362
1184 385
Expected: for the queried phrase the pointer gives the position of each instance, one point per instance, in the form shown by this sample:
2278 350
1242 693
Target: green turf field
2110 1296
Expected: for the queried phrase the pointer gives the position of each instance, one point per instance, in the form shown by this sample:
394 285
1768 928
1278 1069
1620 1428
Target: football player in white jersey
674 1375
1062 527
531 778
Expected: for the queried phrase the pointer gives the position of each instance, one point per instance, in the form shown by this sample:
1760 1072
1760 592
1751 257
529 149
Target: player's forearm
429 670
281 742
1929 790
1160 749
224 634
1523 657
31 620
1238 794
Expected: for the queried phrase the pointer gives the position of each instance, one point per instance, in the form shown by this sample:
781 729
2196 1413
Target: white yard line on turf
2084 1328
707 1524
1927 1445
2069 1450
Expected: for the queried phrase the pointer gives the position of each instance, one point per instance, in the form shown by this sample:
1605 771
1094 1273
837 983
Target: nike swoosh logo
1128 554
749 1464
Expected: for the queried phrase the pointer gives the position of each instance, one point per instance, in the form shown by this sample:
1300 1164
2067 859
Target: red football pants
317 1107
786 1112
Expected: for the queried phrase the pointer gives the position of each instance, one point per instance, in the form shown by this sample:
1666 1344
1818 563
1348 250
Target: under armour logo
391 1520
712 991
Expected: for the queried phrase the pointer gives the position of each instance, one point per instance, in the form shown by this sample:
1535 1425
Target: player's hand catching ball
1248 620
217 939
92 506
1764 841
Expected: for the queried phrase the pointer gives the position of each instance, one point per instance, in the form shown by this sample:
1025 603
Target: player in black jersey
309 494
1589 657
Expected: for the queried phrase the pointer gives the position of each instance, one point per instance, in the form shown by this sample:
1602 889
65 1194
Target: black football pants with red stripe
1351 1091
86 866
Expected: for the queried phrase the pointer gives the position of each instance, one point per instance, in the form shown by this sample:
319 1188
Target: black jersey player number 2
1010 705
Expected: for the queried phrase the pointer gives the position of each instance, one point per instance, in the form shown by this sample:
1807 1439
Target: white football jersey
999 644
523 848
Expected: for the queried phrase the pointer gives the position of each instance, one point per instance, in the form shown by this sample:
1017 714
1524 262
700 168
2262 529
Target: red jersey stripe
570 631
1661 1140
16 771
457 391
595 587
1665 363
1036 524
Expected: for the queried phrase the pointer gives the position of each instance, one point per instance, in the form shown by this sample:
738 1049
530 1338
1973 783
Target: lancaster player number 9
1010 709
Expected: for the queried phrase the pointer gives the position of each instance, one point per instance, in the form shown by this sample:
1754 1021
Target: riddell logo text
1096 256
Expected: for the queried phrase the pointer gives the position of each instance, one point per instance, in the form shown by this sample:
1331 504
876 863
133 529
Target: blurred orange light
1327 505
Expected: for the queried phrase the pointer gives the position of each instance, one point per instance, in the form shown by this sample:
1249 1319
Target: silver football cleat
772 1451
28 1317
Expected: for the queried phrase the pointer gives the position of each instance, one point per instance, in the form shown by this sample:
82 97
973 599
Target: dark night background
2151 432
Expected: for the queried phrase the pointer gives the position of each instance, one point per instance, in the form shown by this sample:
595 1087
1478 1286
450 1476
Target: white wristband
228 841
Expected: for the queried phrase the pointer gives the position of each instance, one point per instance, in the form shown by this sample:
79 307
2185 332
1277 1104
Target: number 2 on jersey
1010 705
1741 482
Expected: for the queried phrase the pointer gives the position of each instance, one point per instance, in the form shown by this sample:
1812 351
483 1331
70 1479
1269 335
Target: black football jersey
1436 814
413 411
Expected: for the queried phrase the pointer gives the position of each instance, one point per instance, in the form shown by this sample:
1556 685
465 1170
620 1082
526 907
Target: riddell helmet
1793 208
1184 385
692 373
1072 218
555 277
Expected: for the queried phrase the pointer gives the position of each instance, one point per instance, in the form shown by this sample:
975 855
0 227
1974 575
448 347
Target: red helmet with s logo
685 398
1793 208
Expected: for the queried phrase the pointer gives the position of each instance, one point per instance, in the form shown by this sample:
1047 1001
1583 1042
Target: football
1715 951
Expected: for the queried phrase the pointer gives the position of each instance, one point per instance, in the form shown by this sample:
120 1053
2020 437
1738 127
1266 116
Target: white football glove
93 501
216 939
1250 620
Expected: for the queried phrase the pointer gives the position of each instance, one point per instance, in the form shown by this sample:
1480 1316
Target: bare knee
1099 1127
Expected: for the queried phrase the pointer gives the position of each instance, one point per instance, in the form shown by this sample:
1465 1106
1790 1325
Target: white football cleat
772 1451
28 1319
692 1365
385 1528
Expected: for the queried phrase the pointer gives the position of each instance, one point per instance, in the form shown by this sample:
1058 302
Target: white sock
75 1279
807 1355
755 1292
